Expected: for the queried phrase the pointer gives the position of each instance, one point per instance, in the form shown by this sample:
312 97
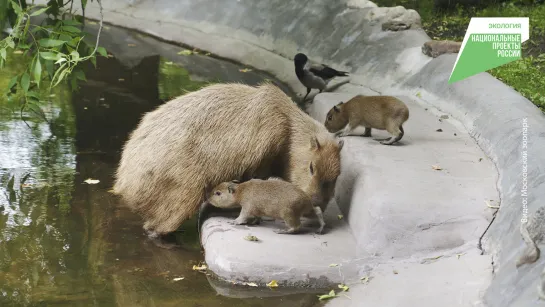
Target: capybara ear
340 103
235 181
231 188
341 144
336 109
314 144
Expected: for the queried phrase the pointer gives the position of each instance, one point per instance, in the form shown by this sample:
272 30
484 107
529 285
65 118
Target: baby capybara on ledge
189 145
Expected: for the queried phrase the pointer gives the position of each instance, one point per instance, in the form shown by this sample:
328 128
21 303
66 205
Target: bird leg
308 92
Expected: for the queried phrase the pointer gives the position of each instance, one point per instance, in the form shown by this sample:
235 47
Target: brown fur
272 198
378 112
215 134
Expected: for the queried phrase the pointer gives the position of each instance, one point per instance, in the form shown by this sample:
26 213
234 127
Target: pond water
64 242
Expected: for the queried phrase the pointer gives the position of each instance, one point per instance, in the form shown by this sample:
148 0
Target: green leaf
12 82
331 294
49 56
46 42
74 83
74 55
49 68
3 53
16 7
71 22
80 75
25 82
10 42
40 11
70 29
37 71
102 51
94 61
33 94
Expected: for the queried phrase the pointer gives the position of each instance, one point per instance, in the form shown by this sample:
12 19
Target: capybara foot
163 241
254 221
287 231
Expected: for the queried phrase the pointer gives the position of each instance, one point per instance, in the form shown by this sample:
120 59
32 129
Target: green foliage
53 39
527 75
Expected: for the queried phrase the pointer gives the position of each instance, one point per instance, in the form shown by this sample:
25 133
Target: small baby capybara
378 112
273 198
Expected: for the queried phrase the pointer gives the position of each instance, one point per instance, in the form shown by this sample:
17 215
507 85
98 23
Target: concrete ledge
266 34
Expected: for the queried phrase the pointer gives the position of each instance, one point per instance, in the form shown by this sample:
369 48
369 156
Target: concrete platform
402 216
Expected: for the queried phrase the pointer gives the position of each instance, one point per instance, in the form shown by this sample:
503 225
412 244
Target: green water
64 242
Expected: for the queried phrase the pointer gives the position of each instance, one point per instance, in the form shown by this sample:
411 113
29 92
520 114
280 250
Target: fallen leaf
331 294
343 287
200 268
251 238
18 52
418 95
436 167
245 70
333 265
185 52
101 99
340 217
251 284
121 79
460 255
439 130
480 159
272 284
491 206
207 54
91 22
444 116
131 45
92 181
427 260
396 272
106 28
169 63
52 95
364 279
178 278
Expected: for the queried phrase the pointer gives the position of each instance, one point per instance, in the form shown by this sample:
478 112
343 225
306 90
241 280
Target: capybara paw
386 143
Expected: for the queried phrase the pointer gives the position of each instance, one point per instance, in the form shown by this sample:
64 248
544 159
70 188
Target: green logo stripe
483 52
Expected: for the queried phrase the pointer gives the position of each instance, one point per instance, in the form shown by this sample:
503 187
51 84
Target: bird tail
341 73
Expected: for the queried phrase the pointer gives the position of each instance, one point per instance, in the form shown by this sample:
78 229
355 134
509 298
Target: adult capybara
189 145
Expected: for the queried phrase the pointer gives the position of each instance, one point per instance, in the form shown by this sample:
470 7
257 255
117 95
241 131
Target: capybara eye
218 193
329 117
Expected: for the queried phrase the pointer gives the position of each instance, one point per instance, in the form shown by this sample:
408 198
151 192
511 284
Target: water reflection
67 243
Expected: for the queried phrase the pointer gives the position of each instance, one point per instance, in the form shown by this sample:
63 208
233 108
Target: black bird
314 75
